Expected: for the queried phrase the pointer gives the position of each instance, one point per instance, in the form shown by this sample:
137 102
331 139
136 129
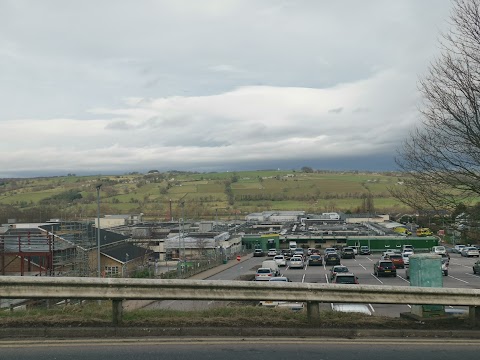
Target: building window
111 271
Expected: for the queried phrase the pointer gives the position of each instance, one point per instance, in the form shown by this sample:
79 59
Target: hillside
204 195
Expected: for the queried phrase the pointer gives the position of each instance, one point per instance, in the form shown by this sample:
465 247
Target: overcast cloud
115 86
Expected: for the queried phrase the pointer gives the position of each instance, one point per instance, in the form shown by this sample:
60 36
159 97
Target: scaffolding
73 242
60 249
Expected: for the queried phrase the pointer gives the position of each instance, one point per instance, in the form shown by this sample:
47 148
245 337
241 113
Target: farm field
203 195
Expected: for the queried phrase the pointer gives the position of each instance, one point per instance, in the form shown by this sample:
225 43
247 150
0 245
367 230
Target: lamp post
98 230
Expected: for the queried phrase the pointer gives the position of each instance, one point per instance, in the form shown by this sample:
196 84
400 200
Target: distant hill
204 195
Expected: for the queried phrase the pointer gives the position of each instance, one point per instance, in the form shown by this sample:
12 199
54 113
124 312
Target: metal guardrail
118 290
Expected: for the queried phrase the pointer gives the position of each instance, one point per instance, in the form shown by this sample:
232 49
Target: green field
204 195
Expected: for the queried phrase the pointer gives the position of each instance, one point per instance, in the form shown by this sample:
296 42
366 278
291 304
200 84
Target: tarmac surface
175 332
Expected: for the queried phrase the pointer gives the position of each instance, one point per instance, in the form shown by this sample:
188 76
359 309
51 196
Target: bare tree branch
442 156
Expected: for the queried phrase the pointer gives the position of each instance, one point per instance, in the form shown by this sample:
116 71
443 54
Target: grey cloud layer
179 83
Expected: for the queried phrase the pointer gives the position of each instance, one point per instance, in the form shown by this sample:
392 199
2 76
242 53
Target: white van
292 245
271 264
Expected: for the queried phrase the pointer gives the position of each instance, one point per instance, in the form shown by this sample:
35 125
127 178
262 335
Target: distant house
109 221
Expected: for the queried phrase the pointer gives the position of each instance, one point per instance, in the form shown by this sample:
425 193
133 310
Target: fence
117 290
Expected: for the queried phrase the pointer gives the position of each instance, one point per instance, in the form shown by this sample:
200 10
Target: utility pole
98 230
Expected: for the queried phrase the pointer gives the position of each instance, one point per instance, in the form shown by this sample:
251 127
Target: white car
296 263
405 257
280 260
458 248
468 251
264 274
439 250
272 252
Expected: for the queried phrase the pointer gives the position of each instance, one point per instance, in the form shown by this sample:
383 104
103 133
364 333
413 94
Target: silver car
469 251
296 263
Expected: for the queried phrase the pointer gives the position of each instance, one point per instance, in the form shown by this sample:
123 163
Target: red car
397 260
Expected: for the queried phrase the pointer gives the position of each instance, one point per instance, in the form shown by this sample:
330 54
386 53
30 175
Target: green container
225 261
426 271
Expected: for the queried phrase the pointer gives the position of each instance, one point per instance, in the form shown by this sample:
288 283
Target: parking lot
460 276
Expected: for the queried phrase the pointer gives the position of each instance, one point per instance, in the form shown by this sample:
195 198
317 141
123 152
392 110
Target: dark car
476 267
364 250
397 260
258 253
287 253
332 259
338 269
384 268
348 253
315 259
345 278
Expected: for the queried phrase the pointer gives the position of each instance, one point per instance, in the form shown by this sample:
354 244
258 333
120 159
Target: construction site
57 249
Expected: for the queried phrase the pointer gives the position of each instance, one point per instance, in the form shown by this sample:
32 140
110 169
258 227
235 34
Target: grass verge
234 315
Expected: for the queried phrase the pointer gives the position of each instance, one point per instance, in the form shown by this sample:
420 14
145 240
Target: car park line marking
410 306
401 277
371 307
474 275
326 278
465 266
306 266
303 278
381 282
369 259
364 268
466 282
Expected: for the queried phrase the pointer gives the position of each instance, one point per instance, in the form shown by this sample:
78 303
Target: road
240 349
460 276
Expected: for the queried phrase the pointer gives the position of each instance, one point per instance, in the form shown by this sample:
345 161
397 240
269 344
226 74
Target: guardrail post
313 311
474 315
117 311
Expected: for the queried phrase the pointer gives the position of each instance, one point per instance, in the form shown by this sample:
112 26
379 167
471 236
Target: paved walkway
138 304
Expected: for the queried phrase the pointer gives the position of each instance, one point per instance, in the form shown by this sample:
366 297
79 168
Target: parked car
397 260
476 267
364 250
299 251
345 278
348 253
407 248
264 274
271 303
384 268
469 251
280 279
272 252
315 259
458 248
332 259
272 264
296 262
349 308
310 251
338 269
406 259
329 250
439 250
287 253
280 260
258 253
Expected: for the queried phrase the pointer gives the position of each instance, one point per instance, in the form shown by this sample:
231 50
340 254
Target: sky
115 86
